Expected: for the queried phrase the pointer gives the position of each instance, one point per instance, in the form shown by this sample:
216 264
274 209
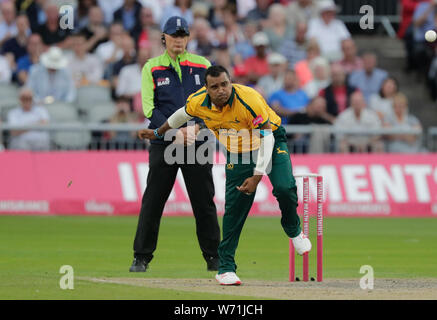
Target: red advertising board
112 183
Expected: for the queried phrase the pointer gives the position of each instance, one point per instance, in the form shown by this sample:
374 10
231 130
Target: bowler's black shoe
212 263
139 265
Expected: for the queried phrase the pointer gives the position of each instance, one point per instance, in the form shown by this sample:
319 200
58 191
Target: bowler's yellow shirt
234 124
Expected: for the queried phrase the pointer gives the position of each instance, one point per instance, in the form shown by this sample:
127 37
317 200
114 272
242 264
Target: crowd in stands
296 53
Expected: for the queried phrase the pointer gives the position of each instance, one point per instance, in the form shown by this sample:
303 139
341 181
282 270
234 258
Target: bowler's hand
249 185
146 134
187 135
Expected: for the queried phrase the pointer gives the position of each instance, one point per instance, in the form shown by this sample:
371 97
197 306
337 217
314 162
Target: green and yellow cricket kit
247 110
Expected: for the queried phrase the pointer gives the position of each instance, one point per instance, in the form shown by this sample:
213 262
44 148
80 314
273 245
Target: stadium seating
101 112
91 95
8 99
62 112
67 140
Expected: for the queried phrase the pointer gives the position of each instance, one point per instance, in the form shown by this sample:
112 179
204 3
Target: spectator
338 93
402 119
81 14
315 114
5 70
86 68
181 8
407 11
278 30
295 50
368 80
358 116
243 47
123 114
35 13
155 40
203 41
273 81
289 100
128 14
257 64
129 57
215 15
111 51
302 68
95 31
351 61
424 20
200 10
231 32
35 48
406 29
8 27
51 32
157 7
108 8
241 75
321 71
50 80
15 47
301 11
328 31
141 33
260 12
129 81
382 102
222 57
243 8
28 114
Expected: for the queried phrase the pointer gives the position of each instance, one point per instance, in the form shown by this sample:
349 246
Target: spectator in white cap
257 64
328 31
50 80
275 80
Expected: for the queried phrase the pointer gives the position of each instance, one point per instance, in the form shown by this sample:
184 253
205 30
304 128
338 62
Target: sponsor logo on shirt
257 121
163 82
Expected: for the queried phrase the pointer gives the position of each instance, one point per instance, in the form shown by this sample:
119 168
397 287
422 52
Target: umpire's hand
146 134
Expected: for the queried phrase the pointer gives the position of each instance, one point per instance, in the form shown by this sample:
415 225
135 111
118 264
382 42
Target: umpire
167 81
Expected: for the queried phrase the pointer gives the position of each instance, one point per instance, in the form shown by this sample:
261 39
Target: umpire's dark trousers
160 180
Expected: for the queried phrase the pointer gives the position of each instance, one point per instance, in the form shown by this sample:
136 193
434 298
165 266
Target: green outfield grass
32 250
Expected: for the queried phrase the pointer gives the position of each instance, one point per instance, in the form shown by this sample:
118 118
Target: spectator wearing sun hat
50 79
328 31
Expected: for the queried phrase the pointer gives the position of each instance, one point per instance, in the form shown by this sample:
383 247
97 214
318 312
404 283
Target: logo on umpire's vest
163 81
230 166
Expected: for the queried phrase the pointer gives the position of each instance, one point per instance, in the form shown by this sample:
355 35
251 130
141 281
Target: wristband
157 135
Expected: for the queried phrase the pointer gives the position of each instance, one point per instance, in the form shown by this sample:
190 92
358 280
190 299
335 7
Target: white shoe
302 244
228 279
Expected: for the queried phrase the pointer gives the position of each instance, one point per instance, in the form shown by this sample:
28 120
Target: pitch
99 249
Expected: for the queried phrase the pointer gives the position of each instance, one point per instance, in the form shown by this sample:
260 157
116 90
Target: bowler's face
219 89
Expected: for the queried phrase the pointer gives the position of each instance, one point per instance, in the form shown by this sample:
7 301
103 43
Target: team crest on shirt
163 81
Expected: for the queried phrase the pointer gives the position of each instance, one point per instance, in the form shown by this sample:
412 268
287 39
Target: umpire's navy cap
175 25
